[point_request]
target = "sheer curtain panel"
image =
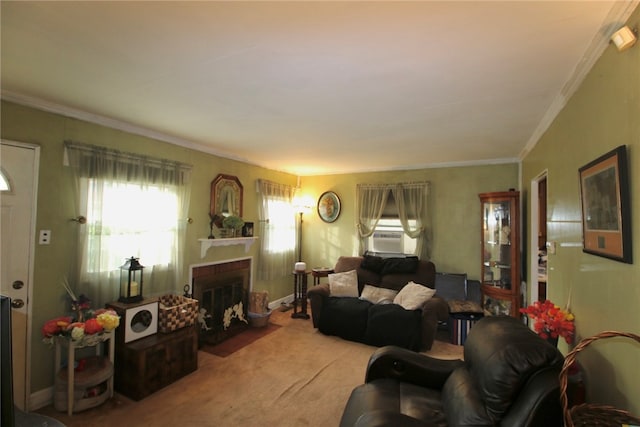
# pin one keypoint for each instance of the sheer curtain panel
(277, 230)
(411, 203)
(135, 206)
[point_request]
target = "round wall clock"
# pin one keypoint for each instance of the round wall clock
(329, 206)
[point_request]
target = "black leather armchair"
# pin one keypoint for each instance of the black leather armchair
(509, 378)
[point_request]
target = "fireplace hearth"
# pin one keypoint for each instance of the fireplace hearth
(222, 290)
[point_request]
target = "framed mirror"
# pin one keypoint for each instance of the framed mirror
(226, 196)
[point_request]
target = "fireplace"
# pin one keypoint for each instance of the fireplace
(222, 290)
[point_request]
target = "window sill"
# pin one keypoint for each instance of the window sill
(205, 244)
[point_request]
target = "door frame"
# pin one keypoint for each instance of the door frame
(534, 202)
(31, 267)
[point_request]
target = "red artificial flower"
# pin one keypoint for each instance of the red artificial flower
(92, 326)
(55, 326)
(550, 321)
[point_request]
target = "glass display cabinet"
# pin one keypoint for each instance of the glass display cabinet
(500, 271)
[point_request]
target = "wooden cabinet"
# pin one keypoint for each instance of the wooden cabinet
(89, 384)
(500, 240)
(149, 364)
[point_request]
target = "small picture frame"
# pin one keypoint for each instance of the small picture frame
(606, 213)
(329, 206)
(247, 229)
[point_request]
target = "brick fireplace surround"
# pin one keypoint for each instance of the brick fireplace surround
(219, 287)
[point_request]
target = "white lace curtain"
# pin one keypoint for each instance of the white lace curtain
(277, 230)
(135, 206)
(411, 202)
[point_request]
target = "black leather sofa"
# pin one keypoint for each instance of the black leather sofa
(509, 377)
(378, 325)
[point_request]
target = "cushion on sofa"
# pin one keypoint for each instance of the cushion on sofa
(407, 265)
(376, 295)
(390, 324)
(344, 317)
(413, 296)
(372, 263)
(344, 284)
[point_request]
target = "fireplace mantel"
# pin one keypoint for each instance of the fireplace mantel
(205, 244)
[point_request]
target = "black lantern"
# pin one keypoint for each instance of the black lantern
(131, 281)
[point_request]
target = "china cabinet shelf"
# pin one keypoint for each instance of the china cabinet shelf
(205, 244)
(500, 256)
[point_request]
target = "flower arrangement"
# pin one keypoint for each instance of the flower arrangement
(86, 327)
(550, 321)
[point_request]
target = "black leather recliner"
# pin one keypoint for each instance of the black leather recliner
(509, 377)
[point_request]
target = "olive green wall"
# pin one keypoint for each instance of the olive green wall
(454, 200)
(454, 208)
(605, 295)
(56, 206)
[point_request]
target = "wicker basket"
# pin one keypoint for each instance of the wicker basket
(176, 312)
(588, 414)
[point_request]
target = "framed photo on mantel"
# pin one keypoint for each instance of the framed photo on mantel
(606, 215)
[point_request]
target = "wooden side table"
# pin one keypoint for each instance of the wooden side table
(300, 295)
(77, 391)
(317, 273)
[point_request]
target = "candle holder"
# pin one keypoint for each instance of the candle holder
(131, 281)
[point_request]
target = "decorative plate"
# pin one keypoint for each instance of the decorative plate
(329, 206)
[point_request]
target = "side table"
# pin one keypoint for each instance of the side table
(317, 273)
(77, 391)
(300, 295)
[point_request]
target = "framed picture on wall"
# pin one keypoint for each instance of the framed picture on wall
(604, 190)
(329, 206)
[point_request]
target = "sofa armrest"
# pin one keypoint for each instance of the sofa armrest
(316, 296)
(434, 310)
(411, 367)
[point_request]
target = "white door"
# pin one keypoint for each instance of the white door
(18, 165)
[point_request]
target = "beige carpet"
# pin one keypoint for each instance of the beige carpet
(295, 376)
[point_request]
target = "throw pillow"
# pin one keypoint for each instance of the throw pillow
(413, 296)
(376, 295)
(344, 284)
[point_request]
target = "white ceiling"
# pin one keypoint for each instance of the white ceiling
(312, 87)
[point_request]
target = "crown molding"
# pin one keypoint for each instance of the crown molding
(74, 113)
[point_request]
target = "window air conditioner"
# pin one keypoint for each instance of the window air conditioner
(388, 241)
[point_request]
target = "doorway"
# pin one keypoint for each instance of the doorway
(538, 245)
(19, 170)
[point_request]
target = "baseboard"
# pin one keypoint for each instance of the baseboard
(41, 398)
(277, 303)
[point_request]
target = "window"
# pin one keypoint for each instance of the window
(135, 206)
(127, 219)
(389, 239)
(4, 182)
(278, 230)
(392, 218)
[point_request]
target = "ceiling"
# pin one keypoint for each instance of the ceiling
(312, 87)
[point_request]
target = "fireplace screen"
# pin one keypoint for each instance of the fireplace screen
(222, 298)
